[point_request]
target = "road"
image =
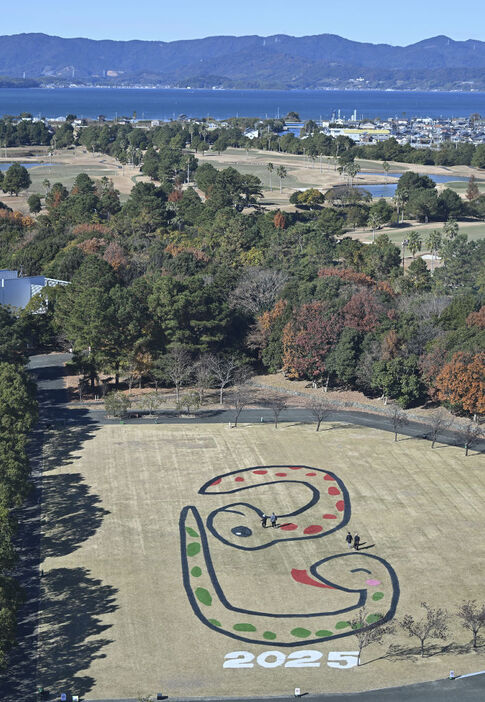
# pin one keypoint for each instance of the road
(18, 685)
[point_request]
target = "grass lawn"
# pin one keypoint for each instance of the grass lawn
(116, 620)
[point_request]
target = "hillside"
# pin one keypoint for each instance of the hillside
(320, 61)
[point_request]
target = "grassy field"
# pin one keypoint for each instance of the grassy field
(116, 620)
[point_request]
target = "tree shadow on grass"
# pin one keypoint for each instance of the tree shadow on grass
(71, 514)
(72, 628)
(72, 517)
(398, 652)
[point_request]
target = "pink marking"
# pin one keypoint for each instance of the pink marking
(373, 582)
(216, 482)
(301, 576)
(310, 474)
(289, 527)
(281, 475)
(340, 505)
(333, 491)
(260, 472)
(239, 479)
(328, 477)
(313, 529)
(330, 516)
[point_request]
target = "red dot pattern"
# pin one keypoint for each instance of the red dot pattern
(310, 474)
(260, 472)
(340, 505)
(216, 482)
(239, 479)
(330, 516)
(333, 491)
(313, 529)
(295, 467)
(289, 527)
(328, 477)
(281, 475)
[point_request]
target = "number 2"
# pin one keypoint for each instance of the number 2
(303, 659)
(238, 659)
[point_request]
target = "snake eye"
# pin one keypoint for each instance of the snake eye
(242, 531)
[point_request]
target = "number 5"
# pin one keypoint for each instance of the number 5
(343, 659)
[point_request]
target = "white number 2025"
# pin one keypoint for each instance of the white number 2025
(296, 659)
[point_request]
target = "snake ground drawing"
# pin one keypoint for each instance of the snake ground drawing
(363, 579)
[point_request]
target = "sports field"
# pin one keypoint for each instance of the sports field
(156, 566)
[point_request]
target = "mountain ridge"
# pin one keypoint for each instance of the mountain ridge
(280, 60)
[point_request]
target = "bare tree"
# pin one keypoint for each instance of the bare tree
(439, 422)
(179, 367)
(151, 401)
(398, 420)
(203, 376)
(471, 434)
(433, 625)
(190, 401)
(320, 408)
(472, 617)
(258, 290)
(277, 404)
(366, 636)
(224, 371)
(239, 398)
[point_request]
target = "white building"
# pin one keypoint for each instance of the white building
(17, 292)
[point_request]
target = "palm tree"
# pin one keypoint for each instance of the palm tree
(270, 168)
(281, 172)
(414, 243)
(434, 241)
(351, 169)
(374, 223)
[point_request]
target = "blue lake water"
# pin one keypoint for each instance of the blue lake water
(6, 166)
(388, 189)
(221, 104)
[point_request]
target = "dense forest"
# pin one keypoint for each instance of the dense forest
(205, 269)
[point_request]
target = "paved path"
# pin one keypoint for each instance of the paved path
(18, 685)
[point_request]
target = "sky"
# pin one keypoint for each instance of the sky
(165, 20)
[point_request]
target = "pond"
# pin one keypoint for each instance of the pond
(388, 189)
(31, 164)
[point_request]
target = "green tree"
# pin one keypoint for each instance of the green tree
(16, 178)
(34, 203)
(399, 379)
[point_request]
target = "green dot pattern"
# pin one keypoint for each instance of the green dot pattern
(193, 549)
(377, 596)
(269, 635)
(300, 632)
(372, 618)
(214, 622)
(323, 632)
(342, 625)
(203, 596)
(191, 532)
(196, 572)
(244, 627)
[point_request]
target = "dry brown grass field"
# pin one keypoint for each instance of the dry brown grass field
(116, 620)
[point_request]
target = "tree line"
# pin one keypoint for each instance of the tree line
(18, 414)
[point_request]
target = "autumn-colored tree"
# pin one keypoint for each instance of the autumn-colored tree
(431, 365)
(279, 220)
(86, 228)
(91, 246)
(390, 346)
(476, 319)
(472, 191)
(348, 276)
(461, 382)
(114, 255)
(175, 195)
(362, 311)
(307, 339)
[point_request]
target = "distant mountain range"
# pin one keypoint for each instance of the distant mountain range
(279, 61)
